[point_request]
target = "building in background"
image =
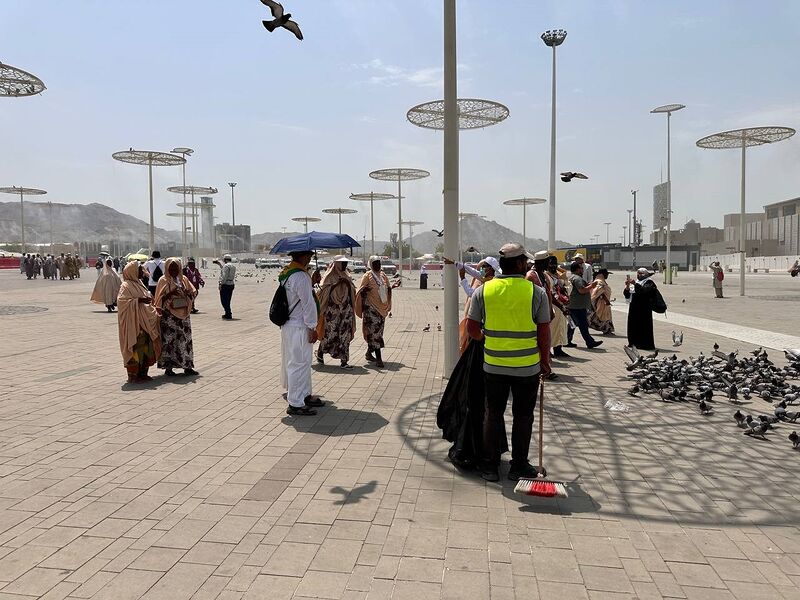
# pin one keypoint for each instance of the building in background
(206, 222)
(692, 234)
(232, 238)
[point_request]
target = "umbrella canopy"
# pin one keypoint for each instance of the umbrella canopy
(313, 240)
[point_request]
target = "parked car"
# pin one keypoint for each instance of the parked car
(268, 263)
(357, 266)
(389, 267)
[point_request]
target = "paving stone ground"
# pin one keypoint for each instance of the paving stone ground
(203, 488)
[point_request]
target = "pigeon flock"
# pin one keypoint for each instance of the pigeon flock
(699, 378)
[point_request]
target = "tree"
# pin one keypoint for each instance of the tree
(440, 249)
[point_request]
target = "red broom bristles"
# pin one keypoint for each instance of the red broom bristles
(541, 487)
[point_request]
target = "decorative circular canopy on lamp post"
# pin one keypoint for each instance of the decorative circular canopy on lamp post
(524, 203)
(22, 192)
(743, 138)
(151, 158)
(473, 113)
(371, 197)
(399, 175)
(340, 212)
(16, 83)
(306, 220)
(411, 225)
(192, 190)
(451, 115)
(553, 38)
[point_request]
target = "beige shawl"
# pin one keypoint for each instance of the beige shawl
(369, 292)
(106, 288)
(184, 291)
(134, 316)
(336, 286)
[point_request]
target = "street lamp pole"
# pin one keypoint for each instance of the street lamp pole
(553, 38)
(630, 229)
(635, 228)
(233, 213)
(669, 109)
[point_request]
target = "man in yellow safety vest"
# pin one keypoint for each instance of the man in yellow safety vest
(512, 316)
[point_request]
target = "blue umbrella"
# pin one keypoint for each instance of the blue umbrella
(313, 240)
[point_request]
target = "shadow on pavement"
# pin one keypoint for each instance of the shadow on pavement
(336, 422)
(355, 495)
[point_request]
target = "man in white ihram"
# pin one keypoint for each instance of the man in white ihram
(298, 336)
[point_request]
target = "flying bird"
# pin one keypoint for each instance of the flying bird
(677, 338)
(280, 19)
(569, 176)
(438, 233)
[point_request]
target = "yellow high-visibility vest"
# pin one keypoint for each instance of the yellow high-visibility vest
(509, 327)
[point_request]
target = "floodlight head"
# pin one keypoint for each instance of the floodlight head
(668, 108)
(232, 184)
(554, 37)
(184, 151)
(16, 83)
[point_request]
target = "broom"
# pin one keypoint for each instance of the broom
(540, 486)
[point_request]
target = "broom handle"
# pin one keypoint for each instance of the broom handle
(541, 421)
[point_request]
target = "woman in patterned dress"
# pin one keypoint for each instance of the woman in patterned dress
(373, 303)
(174, 300)
(336, 327)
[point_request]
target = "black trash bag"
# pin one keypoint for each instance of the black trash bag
(462, 408)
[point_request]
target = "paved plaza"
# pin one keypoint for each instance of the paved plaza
(203, 488)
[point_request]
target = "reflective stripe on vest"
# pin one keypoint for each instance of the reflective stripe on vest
(509, 328)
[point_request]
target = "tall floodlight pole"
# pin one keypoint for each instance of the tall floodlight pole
(524, 203)
(339, 212)
(743, 138)
(635, 228)
(453, 115)
(553, 38)
(186, 153)
(22, 192)
(399, 175)
(306, 220)
(411, 225)
(371, 197)
(152, 159)
(192, 190)
(233, 211)
(669, 109)
(608, 231)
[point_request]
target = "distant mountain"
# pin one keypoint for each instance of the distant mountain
(76, 222)
(486, 236)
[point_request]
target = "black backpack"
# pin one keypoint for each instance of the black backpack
(157, 273)
(279, 311)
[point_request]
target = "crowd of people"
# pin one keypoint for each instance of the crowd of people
(49, 266)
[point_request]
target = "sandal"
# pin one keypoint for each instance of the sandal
(320, 359)
(314, 401)
(188, 372)
(346, 365)
(170, 373)
(300, 411)
(369, 357)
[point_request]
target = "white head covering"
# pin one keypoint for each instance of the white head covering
(340, 258)
(492, 262)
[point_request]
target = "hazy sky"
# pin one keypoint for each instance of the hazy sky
(299, 125)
